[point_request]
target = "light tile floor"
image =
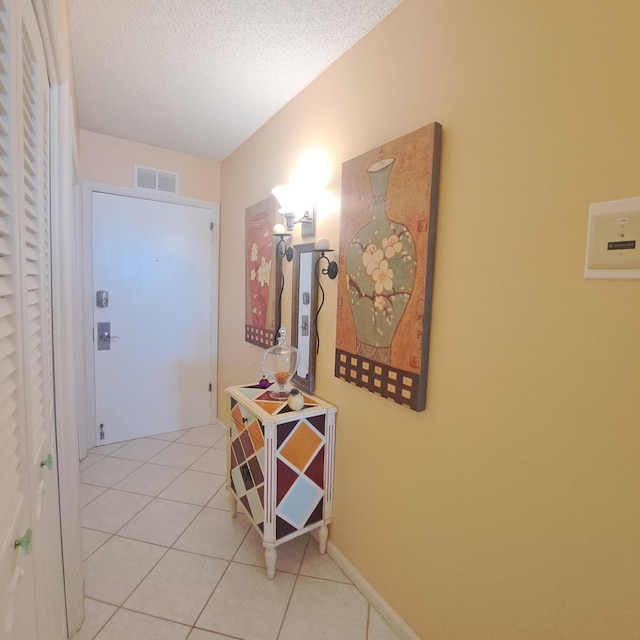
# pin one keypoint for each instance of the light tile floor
(164, 560)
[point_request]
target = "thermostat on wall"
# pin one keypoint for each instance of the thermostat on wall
(613, 240)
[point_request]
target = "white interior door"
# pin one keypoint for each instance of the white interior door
(152, 362)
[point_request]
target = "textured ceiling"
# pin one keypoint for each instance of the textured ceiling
(201, 76)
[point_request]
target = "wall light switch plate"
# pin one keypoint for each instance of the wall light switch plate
(613, 240)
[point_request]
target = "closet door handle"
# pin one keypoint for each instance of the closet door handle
(24, 543)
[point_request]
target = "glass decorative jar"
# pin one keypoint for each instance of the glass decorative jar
(282, 361)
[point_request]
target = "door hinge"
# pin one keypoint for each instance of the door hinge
(211, 226)
(209, 386)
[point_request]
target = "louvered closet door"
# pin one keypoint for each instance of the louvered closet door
(31, 578)
(17, 597)
(36, 321)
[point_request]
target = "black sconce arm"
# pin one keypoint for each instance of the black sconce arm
(330, 270)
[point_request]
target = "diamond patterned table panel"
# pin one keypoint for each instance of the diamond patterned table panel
(301, 446)
(300, 502)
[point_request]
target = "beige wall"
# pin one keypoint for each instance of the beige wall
(510, 508)
(110, 160)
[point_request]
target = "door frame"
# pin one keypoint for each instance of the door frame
(87, 436)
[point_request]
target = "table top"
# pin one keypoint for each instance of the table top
(261, 400)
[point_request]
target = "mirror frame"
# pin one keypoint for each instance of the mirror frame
(305, 383)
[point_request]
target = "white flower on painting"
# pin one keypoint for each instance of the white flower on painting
(391, 246)
(379, 302)
(371, 258)
(383, 277)
(253, 274)
(254, 252)
(264, 272)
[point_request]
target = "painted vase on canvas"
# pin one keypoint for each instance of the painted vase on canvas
(380, 266)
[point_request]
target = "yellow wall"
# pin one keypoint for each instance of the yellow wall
(510, 508)
(110, 160)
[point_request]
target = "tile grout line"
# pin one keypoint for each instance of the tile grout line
(204, 606)
(295, 582)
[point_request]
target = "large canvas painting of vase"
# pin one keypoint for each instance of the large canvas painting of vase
(386, 260)
(260, 276)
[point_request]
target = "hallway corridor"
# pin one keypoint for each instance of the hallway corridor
(164, 560)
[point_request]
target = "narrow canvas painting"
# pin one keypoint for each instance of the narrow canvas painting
(387, 243)
(260, 273)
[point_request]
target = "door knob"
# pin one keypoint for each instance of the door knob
(47, 463)
(24, 543)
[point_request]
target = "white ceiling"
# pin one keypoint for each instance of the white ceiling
(201, 76)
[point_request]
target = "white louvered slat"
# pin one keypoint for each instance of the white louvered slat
(32, 313)
(6, 328)
(29, 147)
(5, 250)
(7, 350)
(5, 307)
(7, 385)
(4, 168)
(33, 332)
(30, 254)
(4, 187)
(29, 189)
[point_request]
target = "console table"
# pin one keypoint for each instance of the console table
(280, 465)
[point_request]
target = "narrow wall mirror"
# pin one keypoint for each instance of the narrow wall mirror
(304, 304)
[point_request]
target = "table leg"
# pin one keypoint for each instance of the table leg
(270, 555)
(233, 505)
(323, 536)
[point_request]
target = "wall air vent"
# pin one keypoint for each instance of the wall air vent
(146, 178)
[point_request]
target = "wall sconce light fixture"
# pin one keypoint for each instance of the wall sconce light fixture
(296, 208)
(331, 270)
(282, 251)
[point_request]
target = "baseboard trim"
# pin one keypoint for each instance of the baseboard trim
(388, 614)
